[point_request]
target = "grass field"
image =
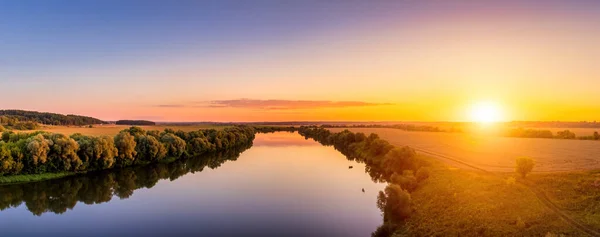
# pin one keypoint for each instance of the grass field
(457, 202)
(111, 130)
(575, 193)
(498, 153)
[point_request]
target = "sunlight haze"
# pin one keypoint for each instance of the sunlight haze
(404, 60)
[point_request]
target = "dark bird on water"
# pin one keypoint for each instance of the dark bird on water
(350, 167)
(363, 190)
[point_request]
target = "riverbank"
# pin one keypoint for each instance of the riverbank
(482, 202)
(30, 178)
(29, 157)
(27, 178)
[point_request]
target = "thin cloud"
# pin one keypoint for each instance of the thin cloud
(171, 106)
(275, 104)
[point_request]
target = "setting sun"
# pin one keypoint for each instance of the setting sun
(485, 112)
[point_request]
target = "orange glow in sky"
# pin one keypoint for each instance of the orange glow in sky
(404, 61)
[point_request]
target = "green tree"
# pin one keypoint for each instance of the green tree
(378, 147)
(399, 159)
(38, 148)
(199, 145)
(86, 149)
(154, 133)
(406, 181)
(395, 203)
(175, 146)
(96, 152)
(17, 152)
(6, 160)
(148, 148)
(125, 144)
(136, 131)
(106, 152)
(6, 135)
(63, 153)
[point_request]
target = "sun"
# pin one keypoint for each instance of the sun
(486, 112)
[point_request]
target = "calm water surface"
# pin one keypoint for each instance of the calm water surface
(284, 185)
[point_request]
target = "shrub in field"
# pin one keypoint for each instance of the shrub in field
(524, 166)
(566, 134)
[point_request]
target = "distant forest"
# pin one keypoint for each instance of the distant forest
(555, 124)
(11, 117)
(135, 122)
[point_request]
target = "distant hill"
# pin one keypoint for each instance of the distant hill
(135, 122)
(48, 118)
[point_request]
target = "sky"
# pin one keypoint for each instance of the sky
(301, 60)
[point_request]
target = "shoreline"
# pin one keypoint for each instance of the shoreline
(31, 178)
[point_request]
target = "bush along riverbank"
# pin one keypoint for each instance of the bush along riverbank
(42, 155)
(398, 166)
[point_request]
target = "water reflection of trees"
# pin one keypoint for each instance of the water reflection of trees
(60, 195)
(398, 166)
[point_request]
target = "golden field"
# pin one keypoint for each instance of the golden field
(493, 153)
(470, 127)
(111, 129)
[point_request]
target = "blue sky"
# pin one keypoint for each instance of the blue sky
(115, 59)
